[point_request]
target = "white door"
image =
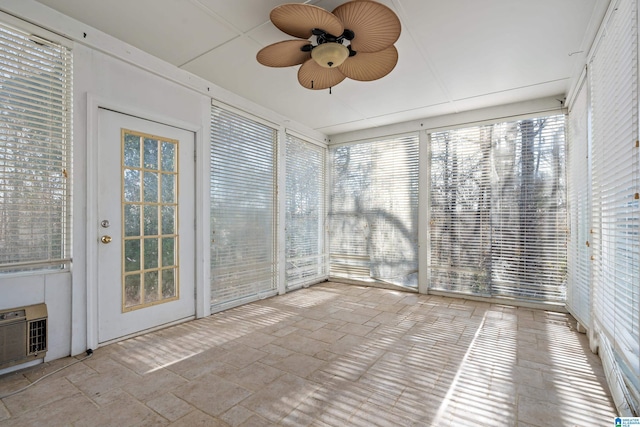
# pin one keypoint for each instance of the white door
(145, 225)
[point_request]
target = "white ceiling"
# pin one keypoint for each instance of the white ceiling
(454, 55)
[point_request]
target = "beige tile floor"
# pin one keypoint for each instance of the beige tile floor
(330, 355)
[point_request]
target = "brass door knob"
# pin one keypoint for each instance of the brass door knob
(106, 239)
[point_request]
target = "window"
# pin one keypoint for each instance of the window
(616, 187)
(497, 221)
(35, 152)
(580, 241)
(373, 218)
(242, 209)
(460, 210)
(305, 212)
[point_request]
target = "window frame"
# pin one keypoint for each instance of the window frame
(265, 271)
(294, 174)
(490, 287)
(31, 45)
(360, 228)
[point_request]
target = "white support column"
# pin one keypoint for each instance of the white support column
(203, 212)
(323, 241)
(281, 211)
(327, 210)
(423, 213)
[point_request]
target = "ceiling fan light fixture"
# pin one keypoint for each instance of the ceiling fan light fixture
(330, 55)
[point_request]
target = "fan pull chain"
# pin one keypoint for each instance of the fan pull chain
(329, 90)
(311, 84)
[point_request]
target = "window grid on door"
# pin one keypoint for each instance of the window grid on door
(149, 220)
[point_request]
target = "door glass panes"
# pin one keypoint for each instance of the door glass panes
(150, 187)
(168, 219)
(168, 157)
(150, 253)
(168, 284)
(150, 220)
(131, 185)
(149, 217)
(151, 154)
(132, 220)
(131, 255)
(151, 287)
(168, 186)
(132, 292)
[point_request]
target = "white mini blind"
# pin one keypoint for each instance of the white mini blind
(305, 212)
(373, 218)
(579, 199)
(616, 186)
(497, 220)
(529, 209)
(242, 208)
(460, 210)
(35, 152)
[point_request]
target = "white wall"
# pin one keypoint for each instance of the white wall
(109, 73)
(549, 105)
(103, 81)
(112, 83)
(22, 289)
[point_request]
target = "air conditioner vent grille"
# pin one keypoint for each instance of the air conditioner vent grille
(23, 334)
(37, 336)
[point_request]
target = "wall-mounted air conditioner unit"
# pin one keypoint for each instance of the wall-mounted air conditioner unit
(23, 334)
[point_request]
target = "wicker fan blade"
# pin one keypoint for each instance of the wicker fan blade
(370, 66)
(297, 19)
(375, 25)
(313, 76)
(283, 54)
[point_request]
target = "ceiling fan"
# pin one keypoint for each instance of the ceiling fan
(355, 40)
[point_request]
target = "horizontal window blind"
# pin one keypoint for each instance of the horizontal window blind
(529, 210)
(35, 152)
(579, 199)
(460, 210)
(373, 225)
(305, 212)
(497, 221)
(616, 185)
(242, 208)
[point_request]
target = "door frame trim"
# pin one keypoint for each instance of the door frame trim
(201, 191)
